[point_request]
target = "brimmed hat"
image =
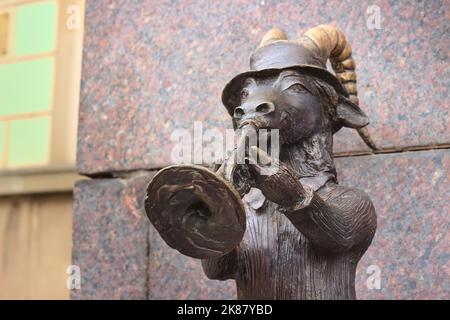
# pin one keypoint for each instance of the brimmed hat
(308, 55)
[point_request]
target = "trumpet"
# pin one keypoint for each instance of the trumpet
(197, 211)
(234, 168)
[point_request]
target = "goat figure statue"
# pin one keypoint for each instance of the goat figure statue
(290, 233)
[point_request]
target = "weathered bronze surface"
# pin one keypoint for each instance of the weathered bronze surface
(302, 235)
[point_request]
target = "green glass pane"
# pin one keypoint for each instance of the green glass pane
(28, 142)
(26, 86)
(2, 141)
(36, 28)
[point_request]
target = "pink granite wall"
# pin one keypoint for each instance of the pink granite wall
(150, 67)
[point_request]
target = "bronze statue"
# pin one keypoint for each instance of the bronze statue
(303, 234)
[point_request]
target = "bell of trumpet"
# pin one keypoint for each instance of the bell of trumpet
(197, 211)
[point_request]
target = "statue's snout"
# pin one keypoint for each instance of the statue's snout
(253, 110)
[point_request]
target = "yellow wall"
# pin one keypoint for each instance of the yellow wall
(35, 246)
(38, 143)
(40, 66)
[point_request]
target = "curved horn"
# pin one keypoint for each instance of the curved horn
(330, 43)
(273, 35)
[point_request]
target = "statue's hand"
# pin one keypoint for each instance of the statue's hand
(278, 182)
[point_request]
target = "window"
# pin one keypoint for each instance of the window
(40, 60)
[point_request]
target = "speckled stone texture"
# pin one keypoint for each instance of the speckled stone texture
(411, 247)
(410, 192)
(121, 256)
(110, 238)
(150, 67)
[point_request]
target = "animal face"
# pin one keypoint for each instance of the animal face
(289, 102)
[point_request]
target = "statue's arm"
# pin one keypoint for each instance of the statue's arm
(221, 268)
(339, 219)
(332, 217)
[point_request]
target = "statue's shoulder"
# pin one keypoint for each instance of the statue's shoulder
(346, 197)
(356, 208)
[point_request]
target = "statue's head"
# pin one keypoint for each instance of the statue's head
(289, 88)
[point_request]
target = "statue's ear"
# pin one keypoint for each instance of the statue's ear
(349, 114)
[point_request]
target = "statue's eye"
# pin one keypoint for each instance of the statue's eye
(244, 94)
(297, 87)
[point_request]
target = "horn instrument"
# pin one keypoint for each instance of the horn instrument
(197, 211)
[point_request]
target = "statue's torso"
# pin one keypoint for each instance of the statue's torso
(276, 261)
